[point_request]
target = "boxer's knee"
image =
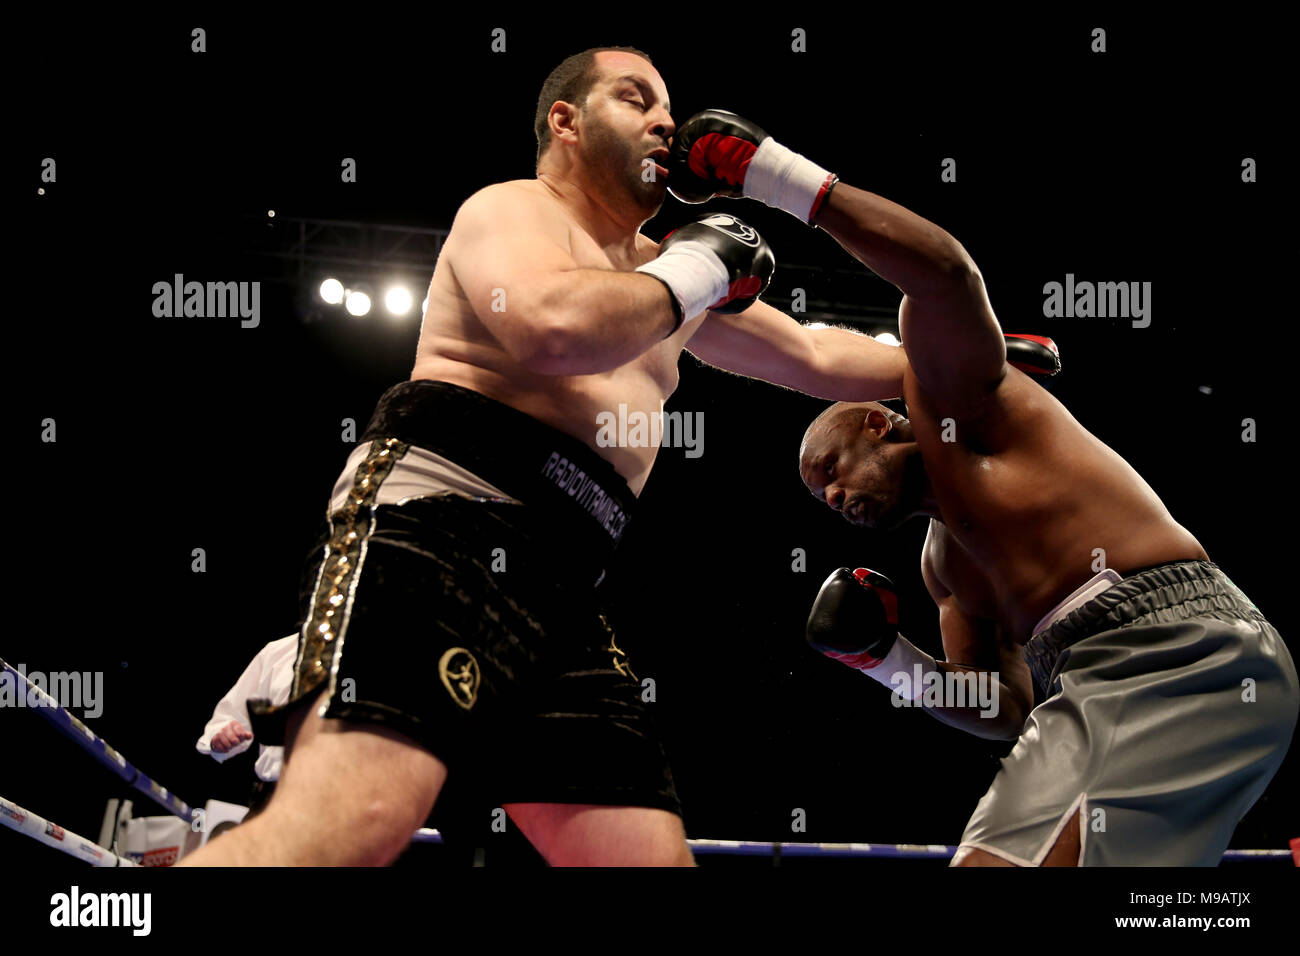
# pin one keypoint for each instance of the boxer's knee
(347, 823)
(352, 793)
(383, 831)
(973, 856)
(1065, 851)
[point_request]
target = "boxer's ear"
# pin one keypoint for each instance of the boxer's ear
(563, 120)
(878, 423)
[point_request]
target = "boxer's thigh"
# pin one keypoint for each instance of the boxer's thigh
(352, 793)
(595, 835)
(588, 780)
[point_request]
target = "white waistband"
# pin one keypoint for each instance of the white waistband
(416, 474)
(1085, 593)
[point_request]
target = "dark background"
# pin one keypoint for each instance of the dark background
(182, 433)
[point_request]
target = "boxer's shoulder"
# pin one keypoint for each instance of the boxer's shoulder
(516, 212)
(510, 189)
(509, 203)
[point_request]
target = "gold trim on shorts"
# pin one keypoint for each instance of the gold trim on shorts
(345, 552)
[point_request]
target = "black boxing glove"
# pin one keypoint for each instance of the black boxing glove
(716, 262)
(854, 620)
(716, 153)
(1033, 354)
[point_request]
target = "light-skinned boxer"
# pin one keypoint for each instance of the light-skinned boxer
(427, 679)
(1168, 700)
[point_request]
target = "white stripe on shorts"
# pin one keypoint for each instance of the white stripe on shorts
(417, 474)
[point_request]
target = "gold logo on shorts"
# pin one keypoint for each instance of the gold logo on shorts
(460, 675)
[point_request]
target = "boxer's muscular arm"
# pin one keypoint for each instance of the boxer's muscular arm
(765, 343)
(973, 644)
(511, 255)
(953, 340)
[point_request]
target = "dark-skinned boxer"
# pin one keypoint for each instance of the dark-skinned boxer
(1167, 699)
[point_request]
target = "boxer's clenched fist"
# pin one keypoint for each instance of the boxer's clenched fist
(710, 156)
(715, 263)
(716, 153)
(854, 618)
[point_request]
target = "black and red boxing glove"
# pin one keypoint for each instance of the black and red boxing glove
(716, 262)
(1033, 354)
(854, 620)
(710, 156)
(716, 153)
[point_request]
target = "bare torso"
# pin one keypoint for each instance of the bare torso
(456, 347)
(1034, 512)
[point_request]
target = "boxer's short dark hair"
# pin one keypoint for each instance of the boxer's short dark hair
(571, 81)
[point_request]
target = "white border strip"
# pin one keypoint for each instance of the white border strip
(924, 851)
(44, 831)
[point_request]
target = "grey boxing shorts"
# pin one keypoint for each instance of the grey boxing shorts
(1169, 704)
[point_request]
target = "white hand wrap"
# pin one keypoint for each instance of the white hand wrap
(693, 272)
(782, 178)
(902, 657)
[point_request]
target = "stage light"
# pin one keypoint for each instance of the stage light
(358, 303)
(331, 290)
(397, 300)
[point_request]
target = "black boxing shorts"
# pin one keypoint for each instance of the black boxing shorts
(452, 597)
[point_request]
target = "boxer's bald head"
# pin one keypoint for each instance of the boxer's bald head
(844, 418)
(861, 459)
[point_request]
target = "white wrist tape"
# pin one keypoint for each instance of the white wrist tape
(782, 178)
(693, 272)
(902, 658)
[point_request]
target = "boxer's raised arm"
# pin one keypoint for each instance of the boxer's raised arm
(512, 258)
(763, 342)
(953, 340)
